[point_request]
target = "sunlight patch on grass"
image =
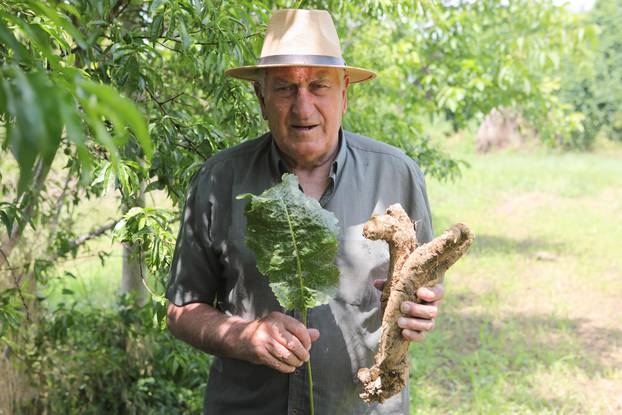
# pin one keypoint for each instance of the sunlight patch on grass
(531, 320)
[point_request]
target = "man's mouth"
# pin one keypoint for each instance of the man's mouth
(304, 127)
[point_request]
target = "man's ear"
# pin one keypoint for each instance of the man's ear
(260, 98)
(346, 84)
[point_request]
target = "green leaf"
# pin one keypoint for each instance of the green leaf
(75, 132)
(183, 32)
(295, 243)
(60, 20)
(123, 108)
(156, 27)
(7, 220)
(32, 101)
(6, 37)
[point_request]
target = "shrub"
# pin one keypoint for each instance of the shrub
(120, 361)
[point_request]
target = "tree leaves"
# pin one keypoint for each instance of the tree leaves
(39, 96)
(31, 100)
(295, 242)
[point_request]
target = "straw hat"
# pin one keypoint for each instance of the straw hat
(300, 38)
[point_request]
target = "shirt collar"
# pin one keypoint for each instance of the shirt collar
(278, 167)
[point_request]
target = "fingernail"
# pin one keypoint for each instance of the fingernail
(405, 307)
(401, 322)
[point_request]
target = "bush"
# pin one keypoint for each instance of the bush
(120, 361)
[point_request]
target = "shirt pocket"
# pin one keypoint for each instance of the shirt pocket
(360, 261)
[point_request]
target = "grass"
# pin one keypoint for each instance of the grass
(531, 322)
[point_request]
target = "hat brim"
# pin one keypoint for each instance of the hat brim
(253, 73)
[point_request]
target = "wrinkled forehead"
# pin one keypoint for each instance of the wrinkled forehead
(302, 74)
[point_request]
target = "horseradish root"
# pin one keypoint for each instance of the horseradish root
(411, 267)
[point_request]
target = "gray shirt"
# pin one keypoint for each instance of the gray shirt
(213, 265)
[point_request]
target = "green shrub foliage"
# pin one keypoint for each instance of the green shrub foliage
(87, 360)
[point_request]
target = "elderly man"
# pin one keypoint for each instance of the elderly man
(219, 303)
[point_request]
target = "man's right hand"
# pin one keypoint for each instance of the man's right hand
(278, 341)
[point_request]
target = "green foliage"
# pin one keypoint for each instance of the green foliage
(595, 87)
(458, 61)
(11, 315)
(43, 100)
(295, 242)
(149, 229)
(119, 361)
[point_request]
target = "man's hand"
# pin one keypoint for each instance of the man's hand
(278, 341)
(418, 319)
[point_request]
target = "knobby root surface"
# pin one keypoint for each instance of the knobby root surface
(411, 267)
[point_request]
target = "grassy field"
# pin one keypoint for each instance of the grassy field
(532, 320)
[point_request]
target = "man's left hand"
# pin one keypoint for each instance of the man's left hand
(418, 319)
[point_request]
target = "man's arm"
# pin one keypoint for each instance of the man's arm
(276, 340)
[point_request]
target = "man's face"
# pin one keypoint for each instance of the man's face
(304, 106)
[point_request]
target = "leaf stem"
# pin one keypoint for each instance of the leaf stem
(303, 306)
(310, 375)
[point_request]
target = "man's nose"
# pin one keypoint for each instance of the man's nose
(303, 104)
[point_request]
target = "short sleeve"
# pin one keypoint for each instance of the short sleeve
(195, 271)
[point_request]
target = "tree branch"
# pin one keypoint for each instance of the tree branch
(41, 171)
(190, 146)
(93, 234)
(17, 283)
(171, 98)
(59, 205)
(117, 9)
(172, 39)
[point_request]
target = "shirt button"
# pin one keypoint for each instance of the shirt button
(296, 372)
(294, 412)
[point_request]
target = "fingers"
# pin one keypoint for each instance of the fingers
(299, 330)
(314, 334)
(413, 336)
(293, 344)
(285, 359)
(418, 319)
(427, 311)
(283, 342)
(415, 324)
(284, 355)
(415, 329)
(269, 359)
(431, 294)
(379, 284)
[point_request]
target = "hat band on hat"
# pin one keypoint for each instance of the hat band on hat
(322, 60)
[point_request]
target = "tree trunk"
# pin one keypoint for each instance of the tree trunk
(134, 270)
(131, 279)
